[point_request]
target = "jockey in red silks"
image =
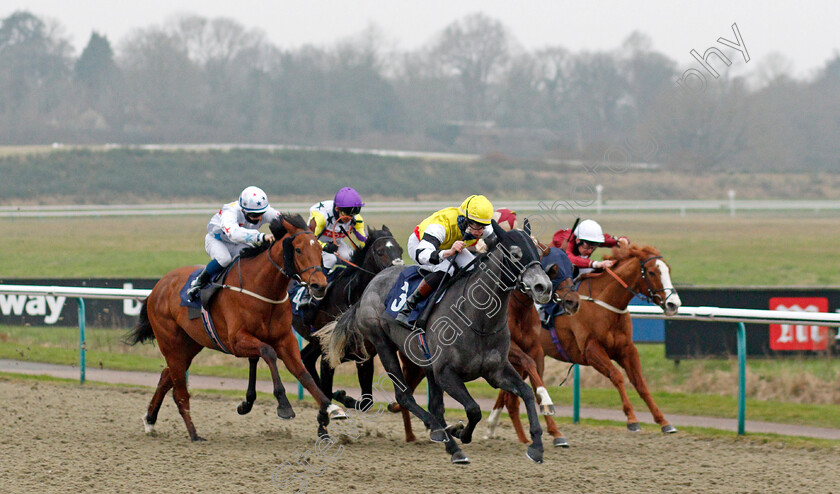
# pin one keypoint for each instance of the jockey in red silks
(581, 243)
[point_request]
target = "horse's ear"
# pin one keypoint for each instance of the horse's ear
(526, 225)
(500, 233)
(385, 228)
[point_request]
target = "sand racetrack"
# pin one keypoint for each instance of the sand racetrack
(71, 438)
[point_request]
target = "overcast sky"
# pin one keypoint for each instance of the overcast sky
(805, 32)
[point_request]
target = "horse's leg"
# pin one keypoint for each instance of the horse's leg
(437, 409)
(509, 380)
(598, 358)
(309, 355)
(251, 393)
(287, 348)
(512, 405)
(178, 363)
(495, 415)
(387, 352)
(413, 376)
(550, 425)
(631, 363)
(523, 363)
(452, 383)
(364, 370)
(163, 387)
(246, 344)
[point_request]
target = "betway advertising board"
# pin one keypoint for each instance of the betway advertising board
(49, 310)
(692, 339)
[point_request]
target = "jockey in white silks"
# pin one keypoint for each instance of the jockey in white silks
(233, 228)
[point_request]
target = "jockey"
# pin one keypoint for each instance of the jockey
(582, 242)
(232, 229)
(441, 239)
(338, 225)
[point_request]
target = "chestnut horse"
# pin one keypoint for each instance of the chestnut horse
(602, 330)
(252, 316)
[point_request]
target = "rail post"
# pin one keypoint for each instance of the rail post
(300, 386)
(742, 376)
(576, 395)
(81, 340)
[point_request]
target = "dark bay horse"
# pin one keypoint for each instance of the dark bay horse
(251, 313)
(477, 301)
(602, 330)
(379, 252)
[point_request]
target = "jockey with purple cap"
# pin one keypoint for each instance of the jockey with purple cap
(338, 226)
(233, 228)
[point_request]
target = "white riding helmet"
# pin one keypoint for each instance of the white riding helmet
(253, 200)
(590, 231)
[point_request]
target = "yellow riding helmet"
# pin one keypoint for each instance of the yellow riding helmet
(477, 208)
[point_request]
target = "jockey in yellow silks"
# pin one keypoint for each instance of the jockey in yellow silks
(338, 226)
(442, 239)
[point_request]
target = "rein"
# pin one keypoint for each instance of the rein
(257, 296)
(649, 296)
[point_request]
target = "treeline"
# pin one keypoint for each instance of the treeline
(471, 89)
(128, 176)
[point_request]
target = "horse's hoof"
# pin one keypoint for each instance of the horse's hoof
(197, 439)
(634, 427)
(439, 436)
(560, 442)
(459, 458)
(244, 407)
(534, 454)
(339, 395)
(394, 407)
(149, 428)
(547, 410)
(285, 413)
(455, 429)
(669, 429)
(335, 412)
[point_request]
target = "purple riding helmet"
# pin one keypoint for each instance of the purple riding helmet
(348, 202)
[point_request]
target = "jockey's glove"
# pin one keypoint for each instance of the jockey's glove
(331, 248)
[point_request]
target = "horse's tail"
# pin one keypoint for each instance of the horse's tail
(142, 332)
(342, 335)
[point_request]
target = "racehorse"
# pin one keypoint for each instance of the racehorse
(526, 353)
(476, 298)
(252, 318)
(602, 330)
(380, 251)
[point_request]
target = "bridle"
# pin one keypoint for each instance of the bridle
(290, 269)
(650, 295)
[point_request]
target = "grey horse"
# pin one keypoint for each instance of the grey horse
(477, 301)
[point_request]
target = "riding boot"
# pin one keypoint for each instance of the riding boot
(419, 295)
(207, 274)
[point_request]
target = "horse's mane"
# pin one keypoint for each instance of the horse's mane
(638, 252)
(358, 257)
(278, 229)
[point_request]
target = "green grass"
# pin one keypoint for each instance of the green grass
(707, 249)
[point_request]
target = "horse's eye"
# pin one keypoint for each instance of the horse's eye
(297, 250)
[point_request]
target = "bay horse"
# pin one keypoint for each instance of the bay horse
(252, 316)
(602, 330)
(379, 252)
(477, 299)
(526, 352)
